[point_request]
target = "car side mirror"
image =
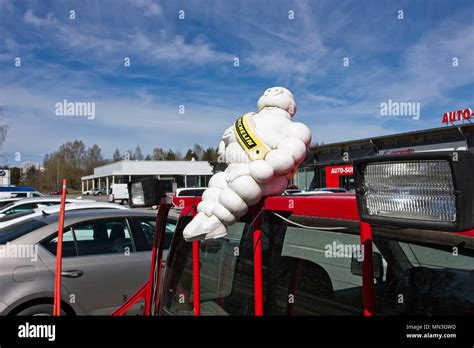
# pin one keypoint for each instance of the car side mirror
(377, 260)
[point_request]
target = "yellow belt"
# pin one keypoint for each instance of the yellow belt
(248, 139)
(253, 146)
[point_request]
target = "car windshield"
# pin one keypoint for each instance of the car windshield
(317, 272)
(19, 229)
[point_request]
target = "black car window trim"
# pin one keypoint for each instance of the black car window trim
(55, 235)
(106, 220)
(136, 223)
(139, 235)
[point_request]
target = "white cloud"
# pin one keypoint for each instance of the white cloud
(151, 8)
(143, 119)
(30, 18)
(172, 48)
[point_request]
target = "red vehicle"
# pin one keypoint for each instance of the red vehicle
(403, 244)
(58, 192)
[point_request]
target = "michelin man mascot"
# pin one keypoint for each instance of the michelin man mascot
(263, 150)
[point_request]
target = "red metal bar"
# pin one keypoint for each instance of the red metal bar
(257, 265)
(196, 280)
(367, 269)
(59, 254)
(341, 206)
(143, 293)
(156, 257)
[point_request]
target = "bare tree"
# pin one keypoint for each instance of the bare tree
(116, 156)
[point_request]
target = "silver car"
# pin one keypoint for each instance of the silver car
(33, 203)
(106, 259)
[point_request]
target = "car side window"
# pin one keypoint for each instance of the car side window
(21, 208)
(147, 226)
(103, 237)
(94, 238)
(69, 248)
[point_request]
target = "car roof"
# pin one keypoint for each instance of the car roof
(95, 213)
(78, 216)
(51, 199)
(10, 199)
(38, 199)
(11, 219)
(81, 205)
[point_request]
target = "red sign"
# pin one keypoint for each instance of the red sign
(334, 172)
(457, 115)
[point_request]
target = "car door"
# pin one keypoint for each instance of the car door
(104, 270)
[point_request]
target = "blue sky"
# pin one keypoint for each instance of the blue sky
(190, 62)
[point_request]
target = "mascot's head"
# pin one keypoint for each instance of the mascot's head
(278, 97)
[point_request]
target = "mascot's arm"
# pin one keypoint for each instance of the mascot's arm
(221, 150)
(300, 131)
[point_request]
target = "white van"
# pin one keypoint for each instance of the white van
(118, 193)
(20, 194)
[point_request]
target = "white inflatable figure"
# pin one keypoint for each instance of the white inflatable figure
(262, 151)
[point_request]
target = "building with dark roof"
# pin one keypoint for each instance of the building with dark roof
(330, 165)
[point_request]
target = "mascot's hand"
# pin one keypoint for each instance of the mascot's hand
(261, 171)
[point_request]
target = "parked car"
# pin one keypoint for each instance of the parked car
(316, 191)
(18, 192)
(87, 192)
(106, 259)
(291, 192)
(33, 203)
(330, 189)
(119, 193)
(99, 192)
(190, 191)
(11, 219)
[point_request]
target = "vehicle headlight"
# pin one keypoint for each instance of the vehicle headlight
(426, 190)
